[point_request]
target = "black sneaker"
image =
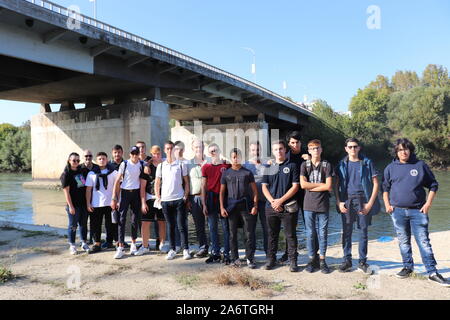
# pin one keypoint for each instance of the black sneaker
(293, 267)
(437, 278)
(158, 242)
(126, 245)
(364, 267)
(212, 258)
(251, 263)
(346, 266)
(310, 266)
(284, 258)
(316, 261)
(226, 260)
(404, 273)
(95, 249)
(202, 253)
(270, 265)
(236, 263)
(324, 267)
(105, 245)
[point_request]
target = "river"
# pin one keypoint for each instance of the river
(46, 207)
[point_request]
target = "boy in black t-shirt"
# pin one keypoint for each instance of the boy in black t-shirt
(316, 178)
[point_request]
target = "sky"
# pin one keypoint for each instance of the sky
(321, 49)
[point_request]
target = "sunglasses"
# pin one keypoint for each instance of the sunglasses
(353, 147)
(213, 150)
(75, 160)
(88, 156)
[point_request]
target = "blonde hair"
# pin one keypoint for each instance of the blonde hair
(155, 149)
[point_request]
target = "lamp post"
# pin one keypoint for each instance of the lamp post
(253, 70)
(95, 8)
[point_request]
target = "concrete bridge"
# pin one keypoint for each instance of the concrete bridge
(129, 86)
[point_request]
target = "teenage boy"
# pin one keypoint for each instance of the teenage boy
(356, 196)
(129, 173)
(211, 174)
(406, 201)
(256, 166)
(99, 189)
(295, 156)
(280, 185)
(316, 178)
(195, 200)
(142, 152)
(239, 185)
(171, 176)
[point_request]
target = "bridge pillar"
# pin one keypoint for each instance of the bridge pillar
(54, 135)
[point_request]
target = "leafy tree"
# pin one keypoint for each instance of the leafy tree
(435, 76)
(405, 80)
(15, 150)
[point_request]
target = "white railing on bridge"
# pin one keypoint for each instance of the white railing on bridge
(108, 28)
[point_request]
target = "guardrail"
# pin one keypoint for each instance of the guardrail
(116, 31)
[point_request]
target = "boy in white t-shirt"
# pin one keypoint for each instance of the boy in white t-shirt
(129, 173)
(99, 189)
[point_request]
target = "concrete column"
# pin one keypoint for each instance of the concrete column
(93, 102)
(67, 106)
(45, 107)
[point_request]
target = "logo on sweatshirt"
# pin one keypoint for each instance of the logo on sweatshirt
(286, 170)
(414, 172)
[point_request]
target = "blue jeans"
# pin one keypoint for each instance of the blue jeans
(213, 221)
(175, 212)
(405, 221)
(347, 230)
(316, 224)
(199, 220)
(78, 219)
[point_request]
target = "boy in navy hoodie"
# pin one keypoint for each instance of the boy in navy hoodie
(406, 201)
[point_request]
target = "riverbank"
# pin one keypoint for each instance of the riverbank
(43, 269)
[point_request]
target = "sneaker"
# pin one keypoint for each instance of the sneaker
(95, 249)
(284, 258)
(158, 244)
(186, 254)
(73, 250)
(163, 248)
(439, 280)
(126, 245)
(345, 266)
(404, 273)
(171, 255)
(85, 247)
(236, 263)
(106, 245)
(316, 261)
(310, 267)
(324, 267)
(142, 250)
(251, 264)
(202, 253)
(226, 260)
(133, 249)
(270, 265)
(364, 267)
(213, 258)
(178, 249)
(119, 253)
(293, 267)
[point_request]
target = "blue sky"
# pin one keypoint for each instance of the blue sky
(323, 49)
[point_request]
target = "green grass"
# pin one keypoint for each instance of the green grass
(49, 251)
(30, 234)
(187, 280)
(419, 276)
(152, 296)
(277, 287)
(5, 274)
(360, 286)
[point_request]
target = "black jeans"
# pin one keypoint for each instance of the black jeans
(175, 212)
(129, 198)
(289, 221)
(249, 227)
(96, 220)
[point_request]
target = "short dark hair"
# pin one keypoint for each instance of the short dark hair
(280, 142)
(213, 145)
(142, 142)
(117, 147)
(294, 134)
(237, 151)
(404, 143)
(169, 142)
(352, 140)
(101, 153)
(179, 143)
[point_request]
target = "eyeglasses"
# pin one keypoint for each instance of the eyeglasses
(75, 160)
(353, 147)
(88, 156)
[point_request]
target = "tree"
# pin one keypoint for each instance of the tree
(405, 80)
(380, 83)
(435, 76)
(15, 150)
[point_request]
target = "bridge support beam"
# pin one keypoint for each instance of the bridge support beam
(54, 135)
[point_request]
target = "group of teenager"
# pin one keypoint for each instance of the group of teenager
(235, 193)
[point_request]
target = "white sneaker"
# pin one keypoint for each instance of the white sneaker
(171, 255)
(119, 253)
(186, 254)
(73, 249)
(178, 249)
(133, 249)
(142, 250)
(163, 248)
(85, 247)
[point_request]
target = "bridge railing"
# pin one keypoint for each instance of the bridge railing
(116, 31)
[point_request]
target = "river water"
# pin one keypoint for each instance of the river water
(46, 207)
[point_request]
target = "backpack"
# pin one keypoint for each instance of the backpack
(323, 165)
(125, 168)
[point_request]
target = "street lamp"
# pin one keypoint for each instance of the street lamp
(253, 71)
(95, 8)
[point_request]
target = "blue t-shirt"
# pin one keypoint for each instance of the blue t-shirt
(354, 185)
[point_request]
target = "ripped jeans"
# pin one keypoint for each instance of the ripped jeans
(79, 218)
(412, 221)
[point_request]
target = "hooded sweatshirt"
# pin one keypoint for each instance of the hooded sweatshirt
(405, 182)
